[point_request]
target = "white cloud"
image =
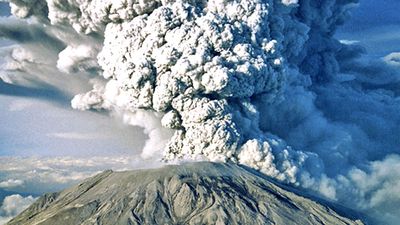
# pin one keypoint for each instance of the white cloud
(349, 42)
(393, 59)
(49, 174)
(290, 2)
(11, 183)
(12, 205)
(5, 78)
(77, 135)
(376, 190)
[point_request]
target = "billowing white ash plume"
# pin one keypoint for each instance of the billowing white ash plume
(258, 82)
(205, 66)
(199, 64)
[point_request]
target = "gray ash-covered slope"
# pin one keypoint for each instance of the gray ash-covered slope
(195, 193)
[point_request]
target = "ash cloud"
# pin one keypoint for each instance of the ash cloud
(258, 82)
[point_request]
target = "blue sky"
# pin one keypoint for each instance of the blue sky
(370, 14)
(376, 25)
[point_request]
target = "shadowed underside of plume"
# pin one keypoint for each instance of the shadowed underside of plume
(196, 193)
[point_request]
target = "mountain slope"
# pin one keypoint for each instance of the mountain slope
(196, 193)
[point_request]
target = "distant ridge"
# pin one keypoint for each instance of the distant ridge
(195, 193)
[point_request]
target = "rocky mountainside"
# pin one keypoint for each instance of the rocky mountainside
(195, 193)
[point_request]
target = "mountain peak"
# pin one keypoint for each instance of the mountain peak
(193, 193)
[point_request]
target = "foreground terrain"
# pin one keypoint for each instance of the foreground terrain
(196, 193)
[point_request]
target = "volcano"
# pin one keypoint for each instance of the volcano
(192, 193)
